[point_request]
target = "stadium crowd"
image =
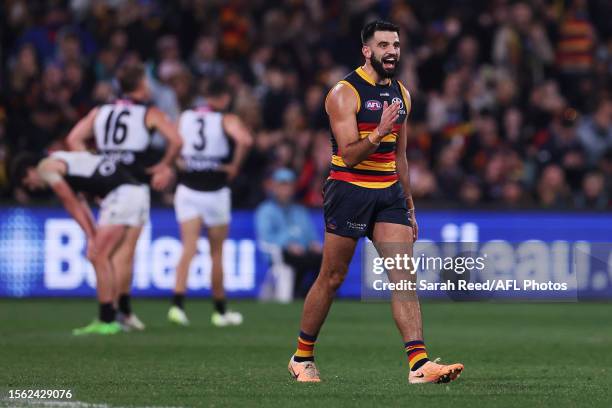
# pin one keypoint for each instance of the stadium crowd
(511, 102)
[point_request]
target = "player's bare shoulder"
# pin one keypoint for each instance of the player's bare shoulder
(231, 121)
(342, 99)
(154, 116)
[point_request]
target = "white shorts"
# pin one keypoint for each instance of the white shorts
(127, 204)
(213, 207)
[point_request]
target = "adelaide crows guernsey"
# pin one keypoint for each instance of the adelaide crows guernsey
(122, 135)
(378, 169)
(93, 174)
(205, 149)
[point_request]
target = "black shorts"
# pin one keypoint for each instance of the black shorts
(352, 211)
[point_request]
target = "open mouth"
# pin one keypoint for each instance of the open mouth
(389, 62)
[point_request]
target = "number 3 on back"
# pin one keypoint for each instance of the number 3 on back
(201, 144)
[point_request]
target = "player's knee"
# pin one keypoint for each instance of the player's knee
(97, 258)
(335, 277)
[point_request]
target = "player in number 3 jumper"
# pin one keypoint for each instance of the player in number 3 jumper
(214, 146)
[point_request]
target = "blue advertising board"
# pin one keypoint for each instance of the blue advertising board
(42, 250)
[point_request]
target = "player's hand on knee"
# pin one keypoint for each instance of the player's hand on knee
(92, 251)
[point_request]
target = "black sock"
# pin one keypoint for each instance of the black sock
(178, 300)
(220, 305)
(302, 359)
(124, 304)
(106, 313)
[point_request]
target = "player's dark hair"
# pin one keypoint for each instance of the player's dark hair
(129, 76)
(20, 165)
(217, 87)
(378, 25)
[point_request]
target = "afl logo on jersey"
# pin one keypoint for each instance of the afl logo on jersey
(373, 105)
(107, 168)
(398, 101)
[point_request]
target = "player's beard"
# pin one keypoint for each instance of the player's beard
(377, 64)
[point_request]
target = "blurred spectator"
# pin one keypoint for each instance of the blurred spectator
(514, 195)
(595, 131)
(423, 183)
(521, 46)
(24, 70)
(4, 176)
(449, 171)
(553, 191)
(315, 170)
(593, 195)
(575, 50)
(204, 61)
(470, 192)
(282, 222)
(275, 99)
(605, 166)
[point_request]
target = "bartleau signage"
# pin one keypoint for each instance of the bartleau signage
(42, 253)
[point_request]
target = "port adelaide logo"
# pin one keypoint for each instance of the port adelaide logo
(373, 105)
(398, 101)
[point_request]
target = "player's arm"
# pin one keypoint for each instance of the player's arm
(51, 171)
(235, 128)
(82, 131)
(341, 106)
(162, 171)
(403, 171)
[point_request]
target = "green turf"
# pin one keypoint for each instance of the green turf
(516, 355)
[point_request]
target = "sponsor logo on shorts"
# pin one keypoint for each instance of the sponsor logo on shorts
(356, 225)
(373, 105)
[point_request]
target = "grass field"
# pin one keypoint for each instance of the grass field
(516, 355)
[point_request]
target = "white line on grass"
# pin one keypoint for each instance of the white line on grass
(44, 403)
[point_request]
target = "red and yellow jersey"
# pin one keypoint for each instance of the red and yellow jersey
(576, 44)
(378, 170)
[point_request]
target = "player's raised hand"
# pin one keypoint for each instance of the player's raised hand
(389, 116)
